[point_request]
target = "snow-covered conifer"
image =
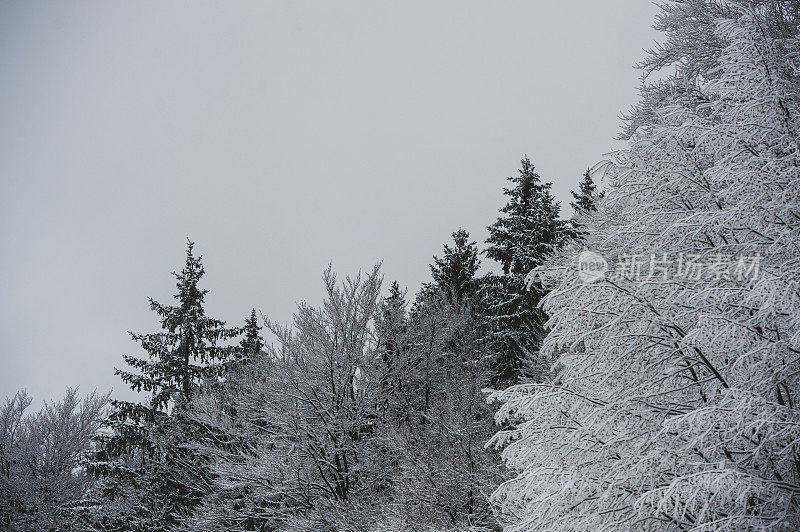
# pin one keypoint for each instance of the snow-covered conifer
(528, 230)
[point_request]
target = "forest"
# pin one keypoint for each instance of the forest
(659, 391)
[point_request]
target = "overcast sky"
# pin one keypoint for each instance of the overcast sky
(279, 136)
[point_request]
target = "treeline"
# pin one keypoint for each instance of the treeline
(367, 413)
(647, 372)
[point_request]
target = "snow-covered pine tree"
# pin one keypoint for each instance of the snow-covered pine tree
(676, 403)
(145, 450)
(586, 197)
(188, 349)
(397, 366)
(454, 273)
(527, 232)
(251, 344)
(530, 227)
(585, 204)
(391, 325)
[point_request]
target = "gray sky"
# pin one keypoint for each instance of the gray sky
(279, 136)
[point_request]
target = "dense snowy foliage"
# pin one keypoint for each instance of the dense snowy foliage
(675, 405)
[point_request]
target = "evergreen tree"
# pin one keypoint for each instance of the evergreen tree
(520, 240)
(392, 322)
(585, 202)
(395, 303)
(455, 272)
(393, 346)
(185, 351)
(252, 344)
(146, 451)
(586, 197)
(530, 228)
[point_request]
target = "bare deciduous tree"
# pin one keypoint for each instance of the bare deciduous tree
(41, 478)
(301, 414)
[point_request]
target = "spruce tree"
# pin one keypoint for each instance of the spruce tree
(530, 227)
(585, 202)
(146, 452)
(586, 197)
(252, 344)
(391, 329)
(185, 351)
(528, 230)
(392, 322)
(454, 273)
